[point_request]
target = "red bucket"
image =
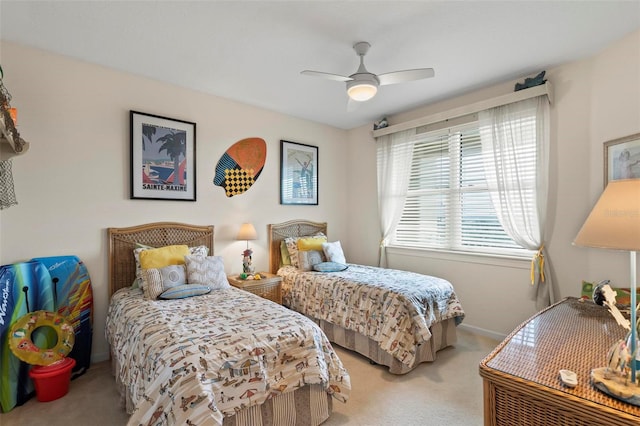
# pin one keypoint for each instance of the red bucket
(52, 381)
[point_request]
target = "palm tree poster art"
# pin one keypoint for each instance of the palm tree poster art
(163, 158)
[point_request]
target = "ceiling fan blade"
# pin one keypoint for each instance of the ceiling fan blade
(406, 75)
(326, 75)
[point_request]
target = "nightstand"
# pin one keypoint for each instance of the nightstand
(269, 286)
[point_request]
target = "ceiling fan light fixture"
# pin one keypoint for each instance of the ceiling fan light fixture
(361, 91)
(363, 85)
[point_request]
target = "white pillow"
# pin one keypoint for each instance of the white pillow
(206, 270)
(333, 252)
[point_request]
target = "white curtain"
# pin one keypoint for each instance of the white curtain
(394, 164)
(518, 192)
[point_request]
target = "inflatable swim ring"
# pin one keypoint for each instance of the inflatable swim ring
(23, 347)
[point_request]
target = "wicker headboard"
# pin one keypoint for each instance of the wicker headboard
(292, 228)
(122, 241)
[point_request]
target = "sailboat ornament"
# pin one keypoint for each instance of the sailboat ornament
(614, 378)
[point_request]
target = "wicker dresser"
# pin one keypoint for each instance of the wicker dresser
(521, 376)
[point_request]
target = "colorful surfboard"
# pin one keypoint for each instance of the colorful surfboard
(240, 166)
(73, 299)
(24, 287)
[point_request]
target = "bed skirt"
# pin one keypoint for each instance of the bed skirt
(307, 406)
(443, 334)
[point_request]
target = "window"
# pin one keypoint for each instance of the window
(448, 205)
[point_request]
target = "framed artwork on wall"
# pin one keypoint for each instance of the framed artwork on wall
(298, 173)
(622, 158)
(163, 158)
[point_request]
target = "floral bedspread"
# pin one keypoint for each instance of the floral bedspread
(196, 360)
(394, 308)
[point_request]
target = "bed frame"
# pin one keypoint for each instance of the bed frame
(443, 333)
(308, 405)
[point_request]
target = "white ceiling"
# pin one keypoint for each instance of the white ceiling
(253, 52)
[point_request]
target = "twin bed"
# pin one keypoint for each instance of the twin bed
(225, 358)
(395, 318)
(230, 357)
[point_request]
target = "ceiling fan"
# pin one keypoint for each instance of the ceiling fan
(363, 85)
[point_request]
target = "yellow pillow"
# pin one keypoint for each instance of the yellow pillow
(311, 243)
(163, 256)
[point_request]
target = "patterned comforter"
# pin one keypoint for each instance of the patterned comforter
(394, 308)
(196, 360)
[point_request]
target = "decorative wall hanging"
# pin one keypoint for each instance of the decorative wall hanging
(240, 166)
(298, 173)
(163, 158)
(622, 159)
(11, 145)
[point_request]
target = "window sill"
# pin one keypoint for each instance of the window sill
(479, 258)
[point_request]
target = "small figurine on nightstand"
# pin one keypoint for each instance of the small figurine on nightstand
(247, 267)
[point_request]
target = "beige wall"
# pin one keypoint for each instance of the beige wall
(596, 99)
(74, 181)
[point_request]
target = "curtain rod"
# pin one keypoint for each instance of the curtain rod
(520, 95)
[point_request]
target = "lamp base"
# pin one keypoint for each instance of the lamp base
(616, 386)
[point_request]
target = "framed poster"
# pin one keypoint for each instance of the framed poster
(622, 159)
(163, 158)
(298, 173)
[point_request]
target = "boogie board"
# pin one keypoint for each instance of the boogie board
(240, 166)
(24, 287)
(73, 299)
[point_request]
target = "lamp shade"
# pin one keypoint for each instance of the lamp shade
(247, 232)
(614, 222)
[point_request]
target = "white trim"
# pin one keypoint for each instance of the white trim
(520, 95)
(483, 332)
(482, 259)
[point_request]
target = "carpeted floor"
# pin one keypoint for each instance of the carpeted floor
(445, 392)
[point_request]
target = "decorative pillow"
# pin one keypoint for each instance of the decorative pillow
(206, 270)
(334, 252)
(186, 290)
(173, 275)
(329, 267)
(157, 281)
(284, 254)
(164, 256)
(292, 247)
(311, 243)
(309, 258)
(139, 281)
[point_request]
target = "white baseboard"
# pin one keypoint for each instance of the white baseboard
(483, 332)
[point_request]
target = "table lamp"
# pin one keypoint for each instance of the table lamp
(614, 223)
(247, 232)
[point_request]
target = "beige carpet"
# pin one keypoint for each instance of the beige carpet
(445, 392)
